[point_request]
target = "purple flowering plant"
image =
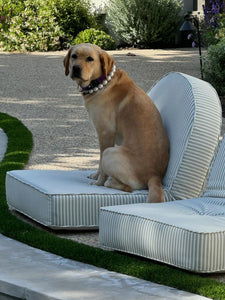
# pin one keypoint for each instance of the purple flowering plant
(212, 12)
(191, 37)
(214, 32)
(214, 18)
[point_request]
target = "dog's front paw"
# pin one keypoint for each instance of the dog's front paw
(100, 181)
(92, 183)
(94, 176)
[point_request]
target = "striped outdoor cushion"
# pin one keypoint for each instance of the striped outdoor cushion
(62, 199)
(189, 234)
(191, 113)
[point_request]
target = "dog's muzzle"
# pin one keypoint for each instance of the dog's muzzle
(76, 72)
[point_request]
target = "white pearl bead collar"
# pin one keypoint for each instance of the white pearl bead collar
(97, 84)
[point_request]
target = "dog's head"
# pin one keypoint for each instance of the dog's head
(87, 62)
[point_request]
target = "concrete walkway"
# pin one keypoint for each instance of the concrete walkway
(33, 88)
(32, 274)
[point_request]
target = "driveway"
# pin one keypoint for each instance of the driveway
(34, 89)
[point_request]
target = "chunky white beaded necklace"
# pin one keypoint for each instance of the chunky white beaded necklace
(97, 84)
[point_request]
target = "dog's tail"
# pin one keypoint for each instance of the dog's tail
(155, 190)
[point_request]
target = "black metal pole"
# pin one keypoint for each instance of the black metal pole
(196, 23)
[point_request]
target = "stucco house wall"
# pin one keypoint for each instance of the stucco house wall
(194, 6)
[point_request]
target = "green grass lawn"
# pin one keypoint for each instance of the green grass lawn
(19, 147)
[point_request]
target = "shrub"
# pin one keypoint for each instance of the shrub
(73, 16)
(42, 25)
(97, 37)
(33, 28)
(146, 23)
(8, 9)
(213, 69)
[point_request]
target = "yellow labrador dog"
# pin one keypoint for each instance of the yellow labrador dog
(134, 147)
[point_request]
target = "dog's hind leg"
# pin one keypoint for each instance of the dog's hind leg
(115, 184)
(116, 163)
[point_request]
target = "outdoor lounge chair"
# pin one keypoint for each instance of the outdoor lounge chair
(189, 234)
(191, 113)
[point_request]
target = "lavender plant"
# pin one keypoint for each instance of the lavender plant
(144, 23)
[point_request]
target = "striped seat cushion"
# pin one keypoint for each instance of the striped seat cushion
(62, 199)
(191, 113)
(189, 234)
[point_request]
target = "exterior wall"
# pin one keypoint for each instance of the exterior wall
(189, 5)
(194, 6)
(99, 5)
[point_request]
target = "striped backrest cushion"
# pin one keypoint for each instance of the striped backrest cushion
(191, 113)
(216, 180)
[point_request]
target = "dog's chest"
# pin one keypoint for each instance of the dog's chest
(94, 115)
(101, 118)
(104, 121)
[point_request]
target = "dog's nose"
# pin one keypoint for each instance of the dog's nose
(76, 71)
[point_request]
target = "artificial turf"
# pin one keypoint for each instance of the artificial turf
(18, 150)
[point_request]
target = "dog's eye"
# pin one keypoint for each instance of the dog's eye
(74, 56)
(89, 58)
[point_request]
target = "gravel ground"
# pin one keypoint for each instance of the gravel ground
(34, 89)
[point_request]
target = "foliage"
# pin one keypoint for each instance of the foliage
(214, 35)
(9, 9)
(97, 37)
(145, 23)
(30, 27)
(18, 150)
(19, 144)
(73, 16)
(214, 22)
(42, 25)
(214, 62)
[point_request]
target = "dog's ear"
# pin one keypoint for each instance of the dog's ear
(66, 62)
(107, 62)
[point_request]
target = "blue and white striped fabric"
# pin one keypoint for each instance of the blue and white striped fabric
(189, 234)
(62, 199)
(191, 113)
(216, 180)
